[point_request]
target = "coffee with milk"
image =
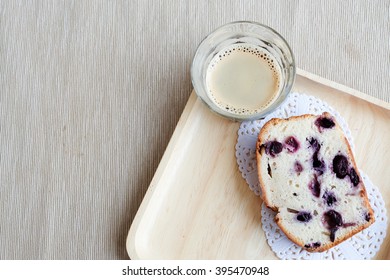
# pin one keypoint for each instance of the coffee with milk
(243, 79)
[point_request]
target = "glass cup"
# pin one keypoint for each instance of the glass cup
(258, 37)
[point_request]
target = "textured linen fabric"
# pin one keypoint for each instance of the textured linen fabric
(91, 91)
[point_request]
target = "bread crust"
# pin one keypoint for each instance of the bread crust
(260, 153)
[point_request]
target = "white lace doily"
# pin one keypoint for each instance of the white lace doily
(361, 246)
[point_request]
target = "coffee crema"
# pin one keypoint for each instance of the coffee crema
(243, 79)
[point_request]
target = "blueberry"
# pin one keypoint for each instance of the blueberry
(269, 170)
(298, 167)
(304, 216)
(292, 144)
(367, 217)
(354, 177)
(340, 166)
(313, 245)
(332, 219)
(315, 187)
(318, 164)
(316, 244)
(333, 234)
(324, 122)
(329, 198)
(314, 144)
(273, 148)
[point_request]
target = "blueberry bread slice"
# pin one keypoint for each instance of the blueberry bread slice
(308, 175)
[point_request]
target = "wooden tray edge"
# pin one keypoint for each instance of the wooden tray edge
(343, 88)
(131, 237)
(130, 245)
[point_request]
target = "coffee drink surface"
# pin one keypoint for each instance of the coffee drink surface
(243, 79)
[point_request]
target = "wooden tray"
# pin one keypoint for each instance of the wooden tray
(198, 206)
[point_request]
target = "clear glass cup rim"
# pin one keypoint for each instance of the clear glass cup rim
(270, 108)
